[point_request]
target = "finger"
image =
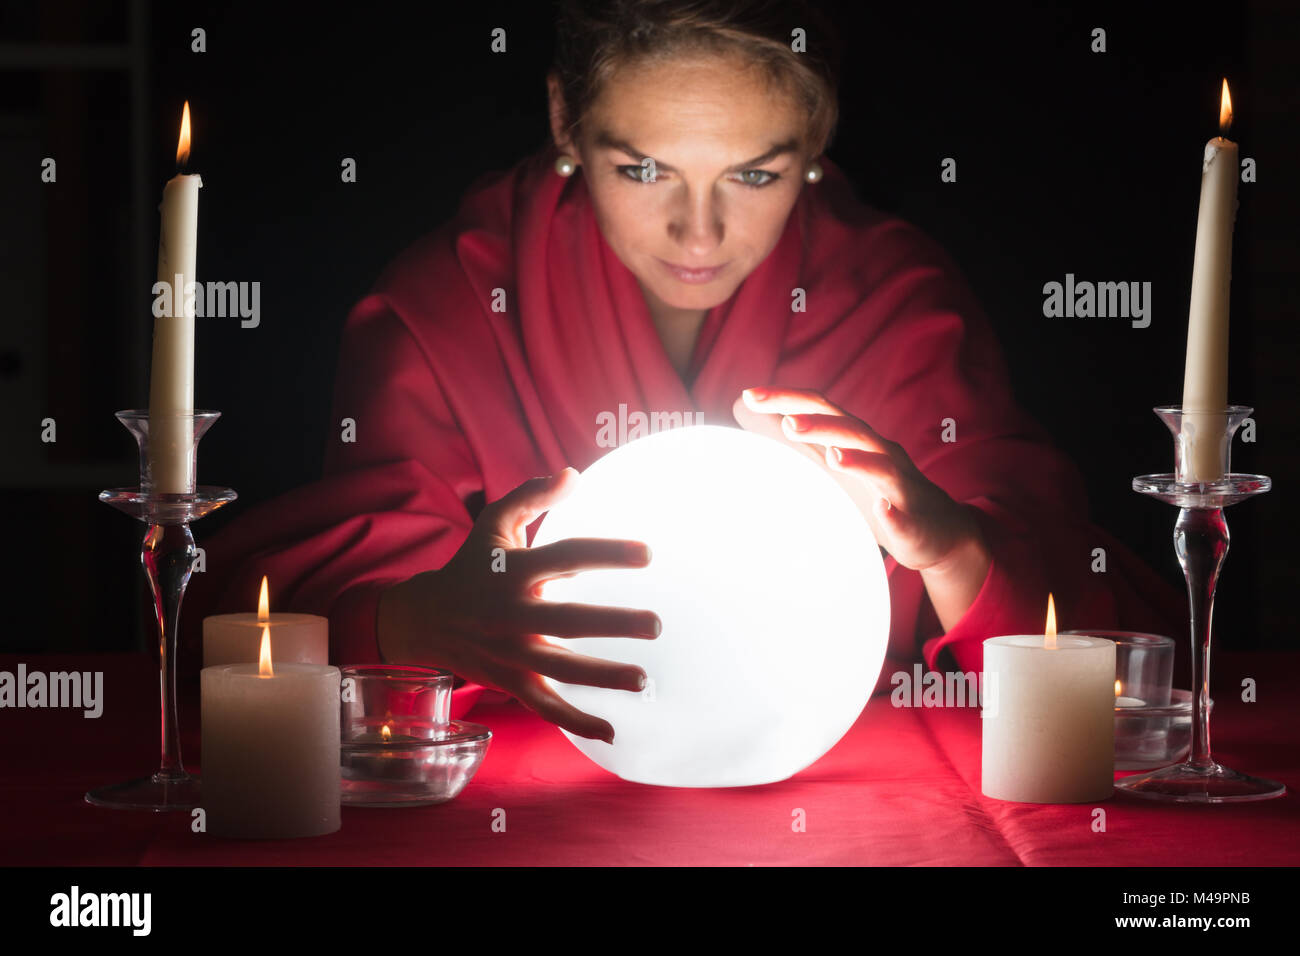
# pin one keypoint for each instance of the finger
(754, 421)
(880, 470)
(571, 555)
(533, 693)
(589, 620)
(789, 401)
(770, 426)
(740, 410)
(519, 508)
(845, 431)
(570, 667)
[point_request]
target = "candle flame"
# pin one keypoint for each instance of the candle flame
(1117, 687)
(183, 146)
(1050, 631)
(264, 604)
(1225, 109)
(264, 658)
(386, 733)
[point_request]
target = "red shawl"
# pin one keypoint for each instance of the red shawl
(456, 404)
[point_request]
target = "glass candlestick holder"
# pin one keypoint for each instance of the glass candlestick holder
(1201, 486)
(166, 500)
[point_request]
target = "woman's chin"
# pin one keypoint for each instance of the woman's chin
(681, 295)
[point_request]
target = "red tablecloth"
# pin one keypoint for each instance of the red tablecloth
(901, 788)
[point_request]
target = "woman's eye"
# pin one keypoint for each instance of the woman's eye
(756, 177)
(640, 174)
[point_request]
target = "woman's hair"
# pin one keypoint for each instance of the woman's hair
(594, 38)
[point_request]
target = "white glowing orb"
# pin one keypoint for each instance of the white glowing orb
(773, 598)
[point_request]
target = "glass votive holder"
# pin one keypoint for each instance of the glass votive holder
(1150, 737)
(399, 746)
(1152, 720)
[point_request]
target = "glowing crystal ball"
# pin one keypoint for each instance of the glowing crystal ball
(773, 598)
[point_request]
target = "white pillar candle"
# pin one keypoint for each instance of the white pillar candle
(1205, 375)
(1049, 718)
(234, 638)
(270, 757)
(237, 638)
(171, 376)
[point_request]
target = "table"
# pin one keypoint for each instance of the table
(902, 788)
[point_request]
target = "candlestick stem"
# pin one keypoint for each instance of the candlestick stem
(167, 555)
(1201, 543)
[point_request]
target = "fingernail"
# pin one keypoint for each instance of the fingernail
(610, 738)
(839, 455)
(757, 394)
(656, 627)
(794, 424)
(640, 682)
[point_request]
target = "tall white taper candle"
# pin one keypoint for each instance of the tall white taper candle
(1205, 376)
(171, 378)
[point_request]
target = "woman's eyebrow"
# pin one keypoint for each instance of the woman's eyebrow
(605, 139)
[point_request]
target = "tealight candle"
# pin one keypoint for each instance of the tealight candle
(1123, 700)
(270, 741)
(236, 638)
(388, 755)
(1049, 717)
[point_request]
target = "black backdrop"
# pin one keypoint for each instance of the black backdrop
(1069, 161)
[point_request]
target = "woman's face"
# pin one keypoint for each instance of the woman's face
(728, 165)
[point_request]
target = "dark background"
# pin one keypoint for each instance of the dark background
(1068, 161)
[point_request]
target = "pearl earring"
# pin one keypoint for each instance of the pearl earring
(813, 173)
(565, 165)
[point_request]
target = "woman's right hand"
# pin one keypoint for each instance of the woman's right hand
(482, 616)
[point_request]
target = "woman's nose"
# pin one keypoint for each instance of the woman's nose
(697, 225)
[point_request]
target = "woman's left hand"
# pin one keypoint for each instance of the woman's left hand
(913, 518)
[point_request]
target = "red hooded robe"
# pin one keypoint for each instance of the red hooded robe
(457, 403)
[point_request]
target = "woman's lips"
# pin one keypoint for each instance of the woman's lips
(693, 276)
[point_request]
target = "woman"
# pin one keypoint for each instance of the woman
(684, 241)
